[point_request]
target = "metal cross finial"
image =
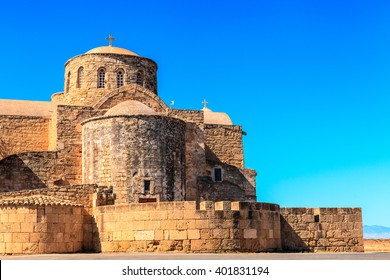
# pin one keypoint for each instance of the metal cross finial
(110, 38)
(205, 103)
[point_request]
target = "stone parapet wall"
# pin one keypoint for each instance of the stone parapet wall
(322, 229)
(224, 144)
(180, 226)
(43, 229)
(23, 133)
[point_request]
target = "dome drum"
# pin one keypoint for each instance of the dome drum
(90, 76)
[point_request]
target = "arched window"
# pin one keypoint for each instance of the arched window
(67, 82)
(101, 77)
(119, 78)
(80, 77)
(139, 79)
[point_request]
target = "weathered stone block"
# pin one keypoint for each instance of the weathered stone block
(176, 215)
(193, 234)
(202, 224)
(20, 238)
(178, 234)
(250, 233)
(168, 224)
(13, 248)
(26, 227)
(117, 235)
(144, 235)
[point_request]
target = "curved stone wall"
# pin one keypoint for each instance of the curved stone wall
(180, 226)
(142, 157)
(85, 91)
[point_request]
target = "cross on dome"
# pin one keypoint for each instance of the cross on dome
(205, 103)
(110, 38)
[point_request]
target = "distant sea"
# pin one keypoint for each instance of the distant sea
(376, 232)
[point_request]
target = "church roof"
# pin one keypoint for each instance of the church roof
(130, 107)
(111, 50)
(211, 117)
(26, 108)
(36, 200)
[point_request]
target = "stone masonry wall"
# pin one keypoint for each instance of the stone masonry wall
(31, 170)
(88, 94)
(224, 144)
(195, 149)
(69, 139)
(23, 133)
(194, 116)
(322, 229)
(195, 159)
(234, 186)
(179, 226)
(124, 151)
(41, 229)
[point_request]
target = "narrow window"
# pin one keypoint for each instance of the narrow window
(218, 174)
(101, 77)
(146, 186)
(139, 79)
(67, 82)
(80, 77)
(119, 79)
(316, 218)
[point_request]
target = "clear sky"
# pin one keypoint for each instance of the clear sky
(307, 80)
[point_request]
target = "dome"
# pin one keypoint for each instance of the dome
(211, 117)
(111, 50)
(130, 107)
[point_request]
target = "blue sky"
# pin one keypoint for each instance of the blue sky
(307, 80)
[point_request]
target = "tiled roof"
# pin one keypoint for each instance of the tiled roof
(36, 200)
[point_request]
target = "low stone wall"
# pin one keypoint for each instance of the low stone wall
(43, 229)
(322, 229)
(180, 226)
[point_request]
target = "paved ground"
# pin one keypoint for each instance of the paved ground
(177, 256)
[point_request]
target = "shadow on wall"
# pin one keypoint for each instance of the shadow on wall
(91, 237)
(234, 186)
(16, 175)
(219, 191)
(291, 242)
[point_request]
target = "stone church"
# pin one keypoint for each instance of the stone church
(107, 166)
